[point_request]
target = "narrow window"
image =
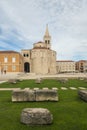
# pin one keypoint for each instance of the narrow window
(5, 59)
(13, 68)
(24, 55)
(27, 55)
(13, 59)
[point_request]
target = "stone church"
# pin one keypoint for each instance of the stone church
(41, 59)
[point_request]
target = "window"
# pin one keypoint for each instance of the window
(13, 67)
(5, 67)
(48, 42)
(24, 55)
(5, 59)
(45, 41)
(27, 55)
(13, 59)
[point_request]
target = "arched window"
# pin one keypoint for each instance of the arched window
(24, 55)
(27, 55)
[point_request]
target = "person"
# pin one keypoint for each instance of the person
(4, 71)
(1, 71)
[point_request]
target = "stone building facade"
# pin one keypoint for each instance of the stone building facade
(66, 66)
(81, 66)
(11, 61)
(41, 59)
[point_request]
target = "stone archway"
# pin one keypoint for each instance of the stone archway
(26, 67)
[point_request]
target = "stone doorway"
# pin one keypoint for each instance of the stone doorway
(26, 67)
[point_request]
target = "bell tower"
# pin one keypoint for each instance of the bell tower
(47, 38)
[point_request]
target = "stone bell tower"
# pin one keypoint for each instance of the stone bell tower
(47, 38)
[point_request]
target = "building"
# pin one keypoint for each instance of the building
(85, 66)
(40, 59)
(66, 66)
(11, 61)
(81, 65)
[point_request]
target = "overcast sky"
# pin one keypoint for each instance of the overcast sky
(23, 22)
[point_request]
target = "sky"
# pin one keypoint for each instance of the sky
(23, 23)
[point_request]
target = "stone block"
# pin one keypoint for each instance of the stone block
(12, 81)
(45, 88)
(38, 80)
(23, 95)
(55, 89)
(18, 95)
(27, 89)
(46, 95)
(31, 95)
(83, 94)
(36, 88)
(62, 80)
(36, 116)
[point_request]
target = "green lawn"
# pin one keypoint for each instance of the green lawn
(70, 113)
(46, 83)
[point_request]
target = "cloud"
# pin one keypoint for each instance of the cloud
(23, 22)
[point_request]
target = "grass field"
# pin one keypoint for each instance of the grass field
(70, 113)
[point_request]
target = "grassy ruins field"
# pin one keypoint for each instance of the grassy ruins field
(70, 113)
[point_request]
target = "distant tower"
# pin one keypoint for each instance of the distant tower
(47, 38)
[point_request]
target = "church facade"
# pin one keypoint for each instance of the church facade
(41, 59)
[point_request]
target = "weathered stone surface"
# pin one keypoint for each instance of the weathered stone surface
(36, 116)
(46, 95)
(83, 94)
(19, 95)
(12, 81)
(55, 89)
(23, 95)
(38, 80)
(62, 80)
(31, 95)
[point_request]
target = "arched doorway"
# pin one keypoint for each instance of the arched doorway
(26, 67)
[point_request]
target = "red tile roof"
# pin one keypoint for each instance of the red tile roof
(9, 51)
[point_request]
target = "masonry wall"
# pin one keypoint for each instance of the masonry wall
(43, 61)
(14, 62)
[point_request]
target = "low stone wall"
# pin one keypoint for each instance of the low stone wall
(83, 94)
(35, 94)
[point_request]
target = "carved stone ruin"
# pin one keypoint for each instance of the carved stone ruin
(83, 94)
(36, 116)
(45, 94)
(38, 80)
(62, 80)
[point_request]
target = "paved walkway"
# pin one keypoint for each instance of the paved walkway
(62, 88)
(21, 76)
(34, 76)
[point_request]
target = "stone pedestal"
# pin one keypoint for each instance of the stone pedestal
(83, 94)
(36, 116)
(46, 95)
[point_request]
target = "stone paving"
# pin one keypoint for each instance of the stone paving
(62, 88)
(73, 88)
(34, 76)
(22, 76)
(82, 88)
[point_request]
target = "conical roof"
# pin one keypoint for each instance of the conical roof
(47, 31)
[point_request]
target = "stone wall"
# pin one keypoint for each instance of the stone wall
(35, 94)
